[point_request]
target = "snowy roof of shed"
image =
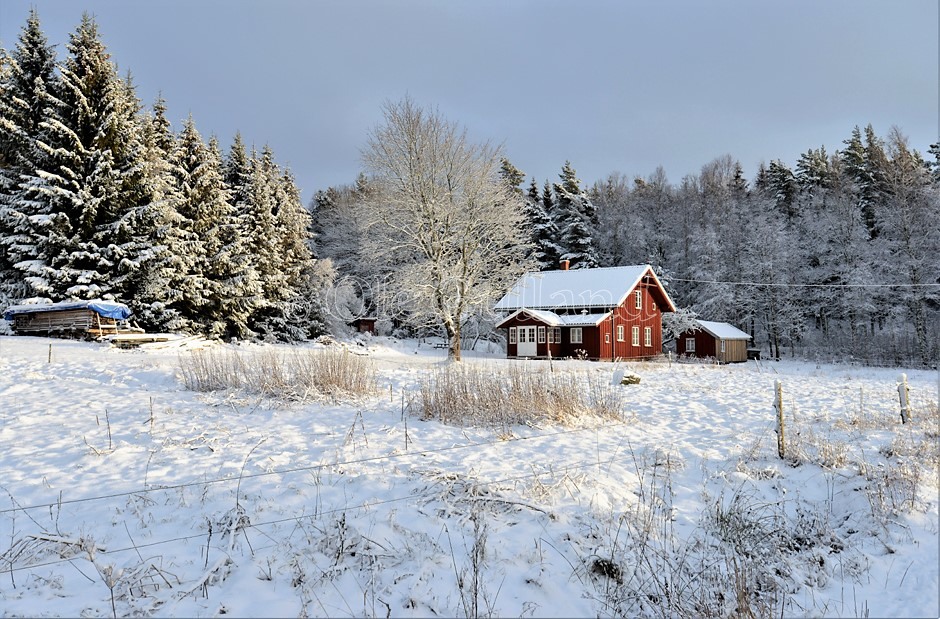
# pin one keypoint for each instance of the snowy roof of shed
(722, 330)
(579, 288)
(555, 320)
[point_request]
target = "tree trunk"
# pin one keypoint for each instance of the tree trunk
(453, 335)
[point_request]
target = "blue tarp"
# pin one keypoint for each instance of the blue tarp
(107, 309)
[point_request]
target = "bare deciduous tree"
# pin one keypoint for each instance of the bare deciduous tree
(445, 229)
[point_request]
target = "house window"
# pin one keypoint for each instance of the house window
(512, 335)
(647, 336)
(541, 335)
(639, 299)
(722, 346)
(556, 333)
(607, 338)
(575, 335)
(635, 332)
(690, 344)
(619, 333)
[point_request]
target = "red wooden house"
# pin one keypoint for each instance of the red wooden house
(608, 313)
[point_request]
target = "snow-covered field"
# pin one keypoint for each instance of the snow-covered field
(122, 493)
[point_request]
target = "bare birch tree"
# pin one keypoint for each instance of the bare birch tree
(444, 228)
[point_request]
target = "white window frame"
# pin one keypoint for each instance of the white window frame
(722, 346)
(577, 336)
(607, 338)
(541, 335)
(620, 333)
(635, 333)
(689, 344)
(512, 335)
(638, 294)
(556, 335)
(647, 336)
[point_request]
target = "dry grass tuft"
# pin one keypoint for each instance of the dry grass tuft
(293, 375)
(472, 396)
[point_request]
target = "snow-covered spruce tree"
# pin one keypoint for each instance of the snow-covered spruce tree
(782, 188)
(244, 277)
(814, 170)
(576, 219)
(126, 236)
(205, 213)
(445, 226)
(298, 305)
(279, 240)
(229, 264)
(548, 236)
(28, 84)
(542, 229)
(865, 163)
(88, 153)
(154, 288)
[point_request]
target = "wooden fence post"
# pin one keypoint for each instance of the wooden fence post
(904, 393)
(49, 360)
(778, 406)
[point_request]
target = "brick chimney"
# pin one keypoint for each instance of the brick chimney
(564, 264)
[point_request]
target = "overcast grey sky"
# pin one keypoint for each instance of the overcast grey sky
(613, 86)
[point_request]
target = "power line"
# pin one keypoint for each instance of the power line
(786, 285)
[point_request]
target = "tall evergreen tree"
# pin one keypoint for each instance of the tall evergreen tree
(87, 150)
(243, 278)
(813, 169)
(204, 212)
(28, 85)
(865, 163)
(576, 220)
(264, 244)
(782, 187)
(542, 229)
(154, 289)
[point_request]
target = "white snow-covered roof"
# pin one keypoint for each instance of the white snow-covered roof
(577, 288)
(559, 320)
(722, 330)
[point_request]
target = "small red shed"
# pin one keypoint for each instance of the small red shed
(716, 340)
(607, 313)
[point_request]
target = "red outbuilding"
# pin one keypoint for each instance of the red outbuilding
(714, 340)
(606, 313)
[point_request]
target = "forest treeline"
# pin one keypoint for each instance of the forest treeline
(839, 257)
(100, 197)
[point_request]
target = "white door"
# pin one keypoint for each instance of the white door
(526, 346)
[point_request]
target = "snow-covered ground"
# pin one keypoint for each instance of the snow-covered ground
(122, 493)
